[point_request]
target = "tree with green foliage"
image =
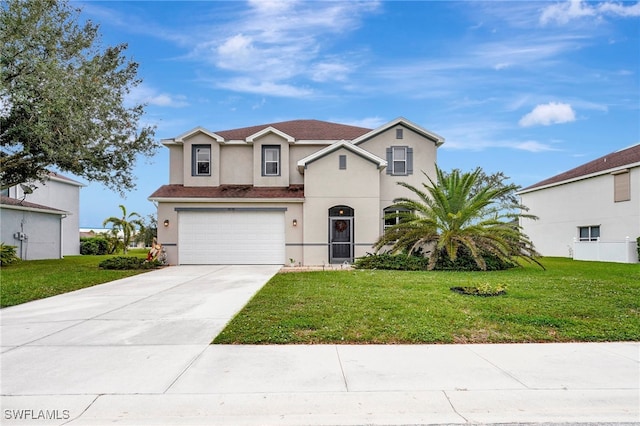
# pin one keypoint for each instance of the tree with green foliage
(454, 215)
(125, 224)
(63, 98)
(148, 232)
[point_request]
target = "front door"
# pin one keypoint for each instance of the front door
(340, 239)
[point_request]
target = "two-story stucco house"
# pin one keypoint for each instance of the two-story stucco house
(308, 190)
(591, 212)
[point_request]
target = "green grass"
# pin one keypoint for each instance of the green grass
(570, 301)
(37, 279)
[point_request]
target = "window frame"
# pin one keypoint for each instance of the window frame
(195, 162)
(404, 150)
(590, 233)
(621, 186)
(278, 162)
(397, 220)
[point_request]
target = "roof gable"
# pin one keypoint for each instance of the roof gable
(379, 162)
(606, 164)
(190, 133)
(437, 139)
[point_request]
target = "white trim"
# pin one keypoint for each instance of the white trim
(439, 140)
(302, 164)
(611, 171)
(229, 200)
(36, 210)
(267, 130)
(68, 181)
(180, 139)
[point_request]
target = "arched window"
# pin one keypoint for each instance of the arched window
(337, 211)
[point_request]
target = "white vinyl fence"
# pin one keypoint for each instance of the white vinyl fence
(621, 251)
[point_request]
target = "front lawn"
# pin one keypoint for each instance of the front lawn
(570, 301)
(37, 279)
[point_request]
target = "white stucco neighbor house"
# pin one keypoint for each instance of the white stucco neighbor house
(42, 219)
(591, 212)
(307, 191)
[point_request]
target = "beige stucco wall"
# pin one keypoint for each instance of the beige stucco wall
(168, 236)
(297, 153)
(258, 179)
(236, 164)
(176, 165)
(564, 208)
(424, 159)
(201, 139)
(327, 186)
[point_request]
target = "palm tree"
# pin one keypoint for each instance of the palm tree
(127, 224)
(455, 215)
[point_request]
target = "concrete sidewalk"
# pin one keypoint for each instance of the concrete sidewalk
(136, 351)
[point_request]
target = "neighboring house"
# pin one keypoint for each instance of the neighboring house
(305, 190)
(42, 219)
(591, 212)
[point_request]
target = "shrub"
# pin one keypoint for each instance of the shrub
(398, 262)
(638, 246)
(128, 262)
(417, 262)
(93, 246)
(8, 254)
(464, 262)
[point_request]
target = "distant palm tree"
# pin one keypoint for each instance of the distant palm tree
(126, 224)
(454, 215)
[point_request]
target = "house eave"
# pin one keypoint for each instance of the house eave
(434, 137)
(226, 200)
(614, 170)
(178, 140)
(35, 210)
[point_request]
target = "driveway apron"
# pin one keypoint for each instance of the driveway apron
(134, 335)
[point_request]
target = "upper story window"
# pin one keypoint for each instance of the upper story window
(399, 133)
(589, 233)
(621, 186)
(201, 164)
(400, 160)
(270, 160)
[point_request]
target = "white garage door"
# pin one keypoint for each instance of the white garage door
(254, 237)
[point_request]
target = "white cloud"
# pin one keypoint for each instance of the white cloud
(275, 46)
(562, 13)
(533, 146)
(367, 122)
(269, 88)
(143, 94)
(546, 114)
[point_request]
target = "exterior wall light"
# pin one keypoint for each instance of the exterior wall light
(166, 223)
(295, 222)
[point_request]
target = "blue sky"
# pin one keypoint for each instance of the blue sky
(527, 88)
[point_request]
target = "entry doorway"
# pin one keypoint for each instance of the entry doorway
(341, 224)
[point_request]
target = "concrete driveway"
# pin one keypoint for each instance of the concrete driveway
(136, 351)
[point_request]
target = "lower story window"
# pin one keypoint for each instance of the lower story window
(391, 217)
(589, 233)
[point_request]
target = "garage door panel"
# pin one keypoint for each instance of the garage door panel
(231, 237)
